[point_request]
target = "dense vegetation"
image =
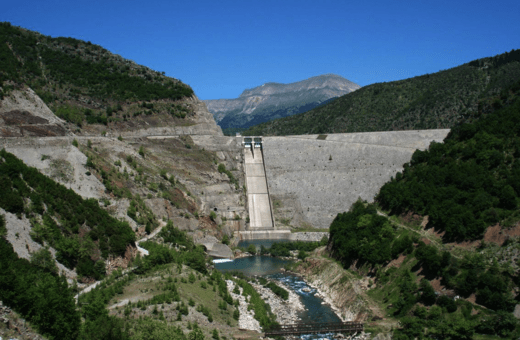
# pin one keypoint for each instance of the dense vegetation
(191, 255)
(362, 238)
(284, 248)
(464, 185)
(362, 235)
(470, 181)
(430, 101)
(79, 80)
(40, 296)
(58, 215)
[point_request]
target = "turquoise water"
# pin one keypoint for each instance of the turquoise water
(270, 267)
(316, 311)
(253, 265)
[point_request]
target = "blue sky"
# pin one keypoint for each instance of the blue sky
(222, 47)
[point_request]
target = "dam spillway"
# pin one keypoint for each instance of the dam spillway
(306, 180)
(259, 204)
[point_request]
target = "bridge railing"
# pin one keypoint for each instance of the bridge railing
(308, 328)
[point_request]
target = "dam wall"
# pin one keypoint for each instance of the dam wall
(312, 178)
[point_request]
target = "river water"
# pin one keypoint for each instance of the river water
(316, 310)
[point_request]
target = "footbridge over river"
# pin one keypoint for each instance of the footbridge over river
(348, 327)
(306, 180)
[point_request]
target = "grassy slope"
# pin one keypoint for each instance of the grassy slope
(431, 101)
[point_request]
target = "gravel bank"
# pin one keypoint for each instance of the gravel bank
(247, 319)
(286, 311)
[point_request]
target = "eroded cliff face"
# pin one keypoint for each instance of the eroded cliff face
(168, 163)
(344, 291)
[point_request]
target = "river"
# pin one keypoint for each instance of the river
(270, 267)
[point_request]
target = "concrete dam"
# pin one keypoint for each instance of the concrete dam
(305, 181)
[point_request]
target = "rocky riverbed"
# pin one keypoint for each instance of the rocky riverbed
(286, 311)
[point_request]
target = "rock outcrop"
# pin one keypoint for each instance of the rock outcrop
(24, 114)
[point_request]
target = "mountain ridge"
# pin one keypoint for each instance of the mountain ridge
(275, 100)
(431, 101)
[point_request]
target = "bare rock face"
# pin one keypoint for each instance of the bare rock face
(24, 114)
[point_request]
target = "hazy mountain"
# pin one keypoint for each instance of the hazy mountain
(275, 100)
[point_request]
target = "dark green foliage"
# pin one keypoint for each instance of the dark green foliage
(82, 72)
(501, 324)
(232, 179)
(43, 258)
(430, 101)
(402, 245)
(160, 254)
(225, 239)
(38, 295)
(361, 234)
(429, 258)
(66, 212)
(407, 296)
(467, 183)
(448, 303)
(104, 327)
(262, 310)
(428, 296)
(3, 229)
(149, 329)
(171, 234)
(281, 292)
(251, 249)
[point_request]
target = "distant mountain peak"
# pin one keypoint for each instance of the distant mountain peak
(321, 81)
(275, 100)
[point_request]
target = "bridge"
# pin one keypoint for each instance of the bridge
(315, 328)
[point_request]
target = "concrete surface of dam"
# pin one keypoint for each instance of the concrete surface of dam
(260, 213)
(312, 178)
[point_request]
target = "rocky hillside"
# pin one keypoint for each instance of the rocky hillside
(275, 100)
(100, 157)
(92, 89)
(430, 101)
(148, 153)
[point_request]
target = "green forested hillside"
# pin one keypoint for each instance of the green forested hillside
(464, 185)
(79, 80)
(42, 297)
(431, 101)
(59, 215)
(364, 239)
(470, 181)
